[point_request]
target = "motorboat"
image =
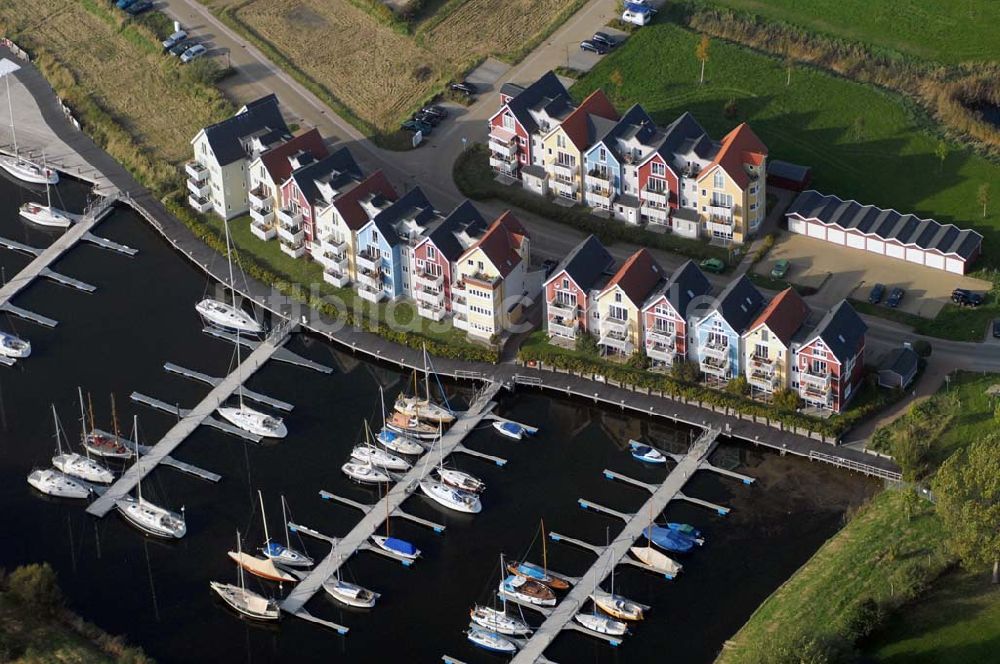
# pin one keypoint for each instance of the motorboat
(498, 621)
(227, 317)
(411, 426)
(399, 443)
(56, 484)
(509, 429)
(376, 456)
(526, 590)
(453, 499)
(656, 560)
(350, 594)
(536, 573)
(365, 473)
(617, 606)
(601, 624)
(647, 454)
(283, 554)
(83, 467)
(28, 171)
(423, 409)
(262, 567)
(14, 346)
(152, 519)
(487, 640)
(246, 602)
(461, 481)
(46, 215)
(253, 421)
(668, 540)
(689, 531)
(396, 546)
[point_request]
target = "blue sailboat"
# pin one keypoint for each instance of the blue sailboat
(668, 540)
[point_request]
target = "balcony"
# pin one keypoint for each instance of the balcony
(335, 278)
(329, 244)
(259, 198)
(427, 280)
(720, 214)
(371, 294)
(599, 197)
(370, 278)
(656, 215)
(263, 216)
(659, 352)
(460, 320)
(430, 296)
(483, 279)
(293, 249)
(562, 171)
(290, 233)
(501, 150)
(715, 366)
(263, 230)
(430, 311)
(459, 305)
(661, 337)
(614, 325)
(715, 349)
(820, 382)
(563, 327)
(653, 197)
(195, 171)
(368, 261)
(598, 179)
(564, 188)
(762, 373)
(289, 217)
(618, 342)
(332, 261)
(199, 203)
(502, 164)
(563, 309)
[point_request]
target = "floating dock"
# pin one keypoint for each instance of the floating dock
(213, 381)
(169, 461)
(282, 355)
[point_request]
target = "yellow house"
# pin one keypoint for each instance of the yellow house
(563, 147)
(767, 343)
(619, 304)
(732, 189)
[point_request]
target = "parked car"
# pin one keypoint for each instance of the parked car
(440, 111)
(427, 118)
(181, 46)
(878, 292)
(715, 265)
(966, 298)
(174, 40)
(467, 89)
(895, 297)
(122, 4)
(593, 47)
(996, 328)
(195, 51)
(604, 39)
(417, 125)
(780, 269)
(139, 7)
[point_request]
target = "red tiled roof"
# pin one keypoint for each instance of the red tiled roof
(276, 161)
(740, 146)
(501, 242)
(637, 277)
(784, 315)
(576, 123)
(348, 205)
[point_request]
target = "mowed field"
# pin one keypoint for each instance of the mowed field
(380, 74)
(948, 31)
(129, 77)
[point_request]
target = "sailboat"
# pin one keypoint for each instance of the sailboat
(395, 545)
(144, 515)
(55, 484)
(376, 456)
(246, 602)
(654, 559)
(99, 443)
(393, 440)
(250, 419)
(21, 168)
(224, 315)
(491, 641)
(411, 426)
(284, 554)
(669, 540)
(601, 624)
(262, 567)
(14, 346)
(365, 473)
(75, 464)
(46, 215)
(527, 590)
(453, 499)
(498, 621)
(423, 408)
(689, 531)
(350, 594)
(615, 605)
(646, 454)
(536, 573)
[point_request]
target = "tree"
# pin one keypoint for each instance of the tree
(967, 488)
(638, 360)
(685, 372)
(941, 152)
(983, 196)
(586, 343)
(702, 53)
(738, 385)
(36, 588)
(786, 400)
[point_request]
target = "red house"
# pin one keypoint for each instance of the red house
(308, 190)
(570, 292)
(658, 179)
(829, 365)
(666, 312)
(524, 113)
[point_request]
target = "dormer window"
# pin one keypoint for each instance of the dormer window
(603, 154)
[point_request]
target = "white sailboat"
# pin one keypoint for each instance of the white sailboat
(46, 215)
(396, 441)
(499, 621)
(284, 554)
(601, 624)
(246, 602)
(365, 473)
(375, 456)
(614, 605)
(146, 516)
(75, 464)
(55, 484)
(19, 167)
(422, 407)
(350, 594)
(457, 479)
(14, 346)
(224, 315)
(250, 419)
(491, 641)
(99, 443)
(654, 559)
(453, 499)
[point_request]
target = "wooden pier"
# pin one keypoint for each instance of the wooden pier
(181, 413)
(213, 381)
(168, 461)
(282, 355)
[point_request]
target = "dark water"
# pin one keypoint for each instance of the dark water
(116, 340)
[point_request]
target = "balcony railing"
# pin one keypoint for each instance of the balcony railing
(599, 178)
(368, 261)
(506, 150)
(762, 380)
(715, 350)
(819, 380)
(202, 188)
(714, 365)
(720, 214)
(262, 215)
(428, 280)
(597, 197)
(621, 343)
(199, 203)
(336, 277)
(656, 214)
(293, 249)
(661, 337)
(764, 365)
(291, 233)
(563, 309)
(562, 171)
(430, 296)
(660, 352)
(370, 278)
(371, 294)
(259, 198)
(612, 324)
(459, 304)
(289, 216)
(655, 197)
(334, 246)
(263, 230)
(332, 261)
(430, 311)
(196, 171)
(563, 327)
(503, 165)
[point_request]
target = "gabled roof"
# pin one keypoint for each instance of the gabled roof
(902, 361)
(349, 204)
(740, 146)
(686, 283)
(637, 277)
(907, 229)
(841, 329)
(502, 243)
(785, 314)
(277, 159)
(259, 119)
(545, 93)
(583, 124)
(338, 170)
(685, 135)
(585, 264)
(636, 123)
(739, 303)
(411, 205)
(465, 221)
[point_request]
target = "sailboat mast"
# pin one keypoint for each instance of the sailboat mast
(48, 187)
(263, 517)
(10, 107)
(381, 399)
(138, 463)
(114, 420)
(229, 257)
(427, 376)
(284, 524)
(55, 419)
(90, 407)
(239, 556)
(545, 552)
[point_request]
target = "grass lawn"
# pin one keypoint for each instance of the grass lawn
(952, 322)
(958, 622)
(948, 32)
(862, 142)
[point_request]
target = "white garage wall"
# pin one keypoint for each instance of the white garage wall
(835, 236)
(933, 260)
(876, 246)
(894, 251)
(817, 230)
(953, 265)
(855, 241)
(915, 256)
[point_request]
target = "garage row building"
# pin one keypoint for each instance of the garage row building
(675, 317)
(884, 232)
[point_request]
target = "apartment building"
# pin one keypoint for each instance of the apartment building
(272, 168)
(767, 344)
(620, 302)
(666, 312)
(572, 289)
(563, 147)
(718, 334)
(829, 364)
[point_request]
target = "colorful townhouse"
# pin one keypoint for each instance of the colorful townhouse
(718, 335)
(620, 302)
(732, 189)
(829, 365)
(609, 165)
(525, 115)
(571, 291)
(269, 170)
(666, 313)
(565, 144)
(767, 343)
(493, 279)
(218, 176)
(337, 226)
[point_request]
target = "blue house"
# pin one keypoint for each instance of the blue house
(718, 334)
(606, 185)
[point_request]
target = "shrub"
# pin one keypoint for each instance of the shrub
(586, 344)
(35, 586)
(738, 385)
(786, 399)
(638, 360)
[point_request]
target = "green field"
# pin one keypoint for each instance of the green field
(862, 143)
(948, 31)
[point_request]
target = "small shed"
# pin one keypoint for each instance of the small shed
(785, 175)
(899, 368)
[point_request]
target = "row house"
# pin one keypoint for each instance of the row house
(718, 335)
(218, 177)
(768, 343)
(620, 302)
(666, 313)
(272, 168)
(610, 165)
(565, 144)
(571, 291)
(829, 364)
(732, 189)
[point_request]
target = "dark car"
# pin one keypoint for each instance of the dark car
(439, 111)
(123, 4)
(593, 47)
(966, 298)
(604, 39)
(427, 118)
(181, 46)
(878, 292)
(715, 265)
(996, 328)
(417, 125)
(139, 7)
(895, 297)
(467, 89)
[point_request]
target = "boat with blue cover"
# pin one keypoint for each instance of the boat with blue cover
(537, 573)
(668, 540)
(687, 530)
(646, 454)
(509, 429)
(396, 546)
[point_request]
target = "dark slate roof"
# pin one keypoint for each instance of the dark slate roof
(686, 283)
(411, 204)
(788, 170)
(586, 263)
(739, 303)
(261, 118)
(902, 362)
(547, 92)
(685, 135)
(339, 169)
(907, 229)
(511, 89)
(841, 329)
(466, 217)
(636, 123)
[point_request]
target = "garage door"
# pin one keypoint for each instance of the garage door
(876, 246)
(835, 236)
(933, 260)
(797, 226)
(915, 256)
(817, 231)
(894, 251)
(855, 241)
(953, 265)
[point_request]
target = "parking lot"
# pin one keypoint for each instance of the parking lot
(840, 272)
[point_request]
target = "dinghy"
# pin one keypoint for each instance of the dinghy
(246, 602)
(668, 540)
(647, 454)
(509, 429)
(656, 560)
(526, 590)
(617, 606)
